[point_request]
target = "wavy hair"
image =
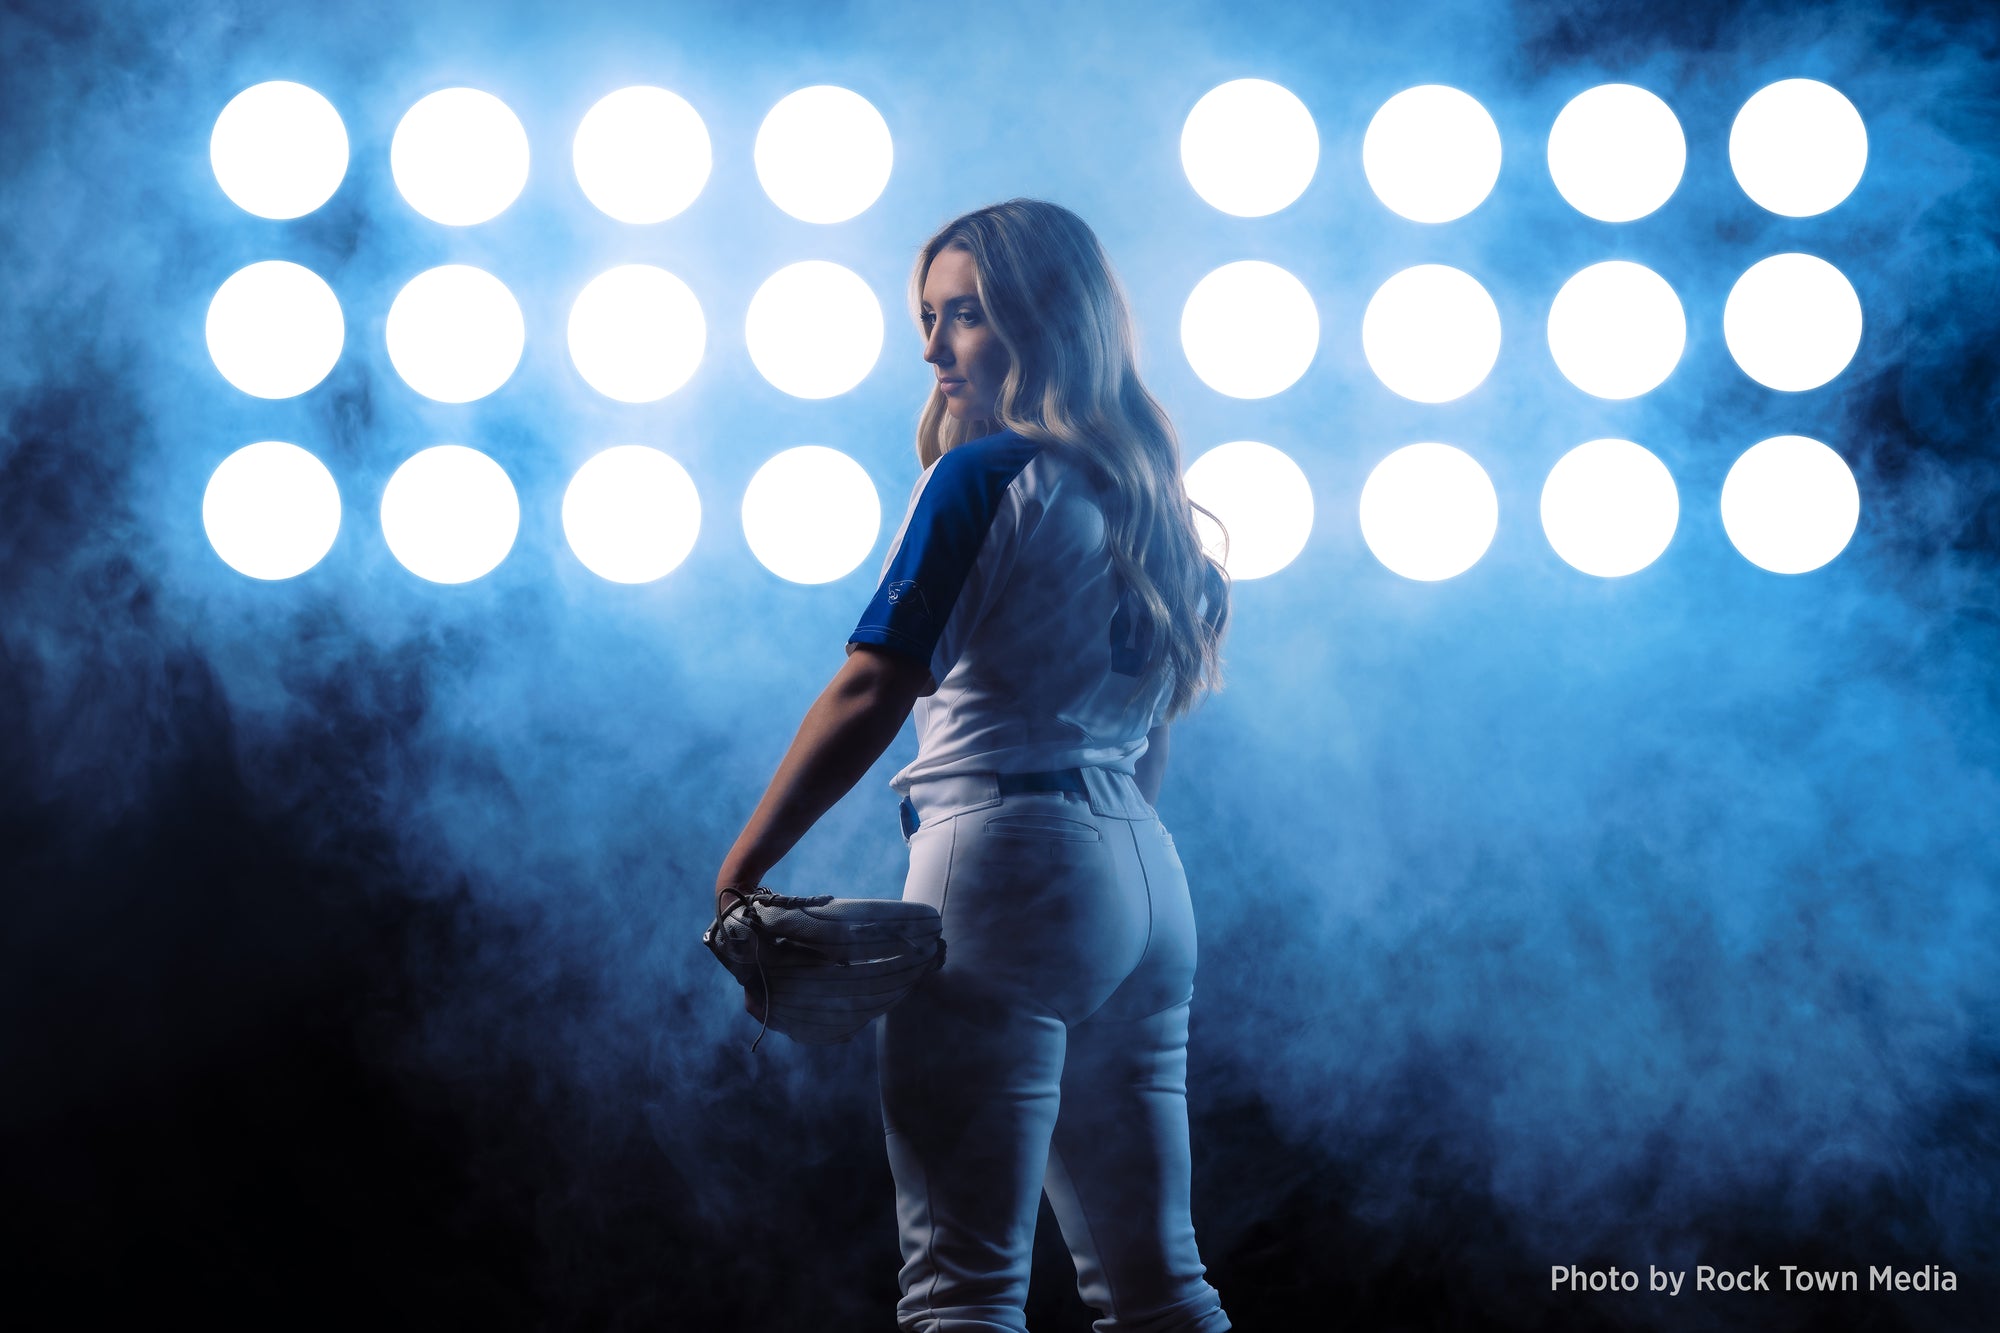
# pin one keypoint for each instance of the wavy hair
(1051, 299)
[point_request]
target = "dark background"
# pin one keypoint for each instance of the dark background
(348, 961)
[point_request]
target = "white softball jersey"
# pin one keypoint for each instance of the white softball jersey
(1001, 580)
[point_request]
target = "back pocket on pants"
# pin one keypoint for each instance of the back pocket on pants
(1034, 827)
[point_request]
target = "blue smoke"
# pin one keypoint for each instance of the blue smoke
(1643, 921)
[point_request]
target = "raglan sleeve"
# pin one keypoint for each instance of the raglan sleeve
(950, 559)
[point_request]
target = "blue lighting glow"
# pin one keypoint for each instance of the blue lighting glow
(823, 154)
(1611, 793)
(1617, 330)
(278, 150)
(274, 329)
(811, 514)
(1249, 147)
(1792, 322)
(1432, 153)
(814, 329)
(450, 514)
(1798, 147)
(460, 156)
(636, 333)
(642, 155)
(1250, 329)
(455, 333)
(1617, 152)
(1790, 504)
(1263, 500)
(1429, 511)
(1609, 508)
(631, 514)
(1431, 333)
(271, 510)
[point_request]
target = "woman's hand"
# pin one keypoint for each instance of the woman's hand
(728, 890)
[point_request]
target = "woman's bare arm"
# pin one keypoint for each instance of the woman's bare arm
(1151, 768)
(844, 732)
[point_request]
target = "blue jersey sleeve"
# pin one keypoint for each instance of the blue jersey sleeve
(950, 557)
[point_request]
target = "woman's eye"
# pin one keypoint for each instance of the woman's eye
(968, 317)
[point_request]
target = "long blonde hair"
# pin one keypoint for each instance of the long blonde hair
(1050, 297)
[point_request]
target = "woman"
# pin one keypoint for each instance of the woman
(1047, 609)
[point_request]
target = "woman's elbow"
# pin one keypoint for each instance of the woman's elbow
(890, 679)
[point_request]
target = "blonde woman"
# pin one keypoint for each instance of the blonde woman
(1047, 609)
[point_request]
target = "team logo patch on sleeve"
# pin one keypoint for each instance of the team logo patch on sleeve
(908, 591)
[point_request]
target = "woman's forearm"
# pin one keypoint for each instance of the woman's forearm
(843, 734)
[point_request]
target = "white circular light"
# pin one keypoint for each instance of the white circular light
(1249, 329)
(1431, 333)
(1249, 147)
(1790, 504)
(636, 333)
(1432, 153)
(459, 156)
(1798, 147)
(1792, 322)
(631, 514)
(1263, 500)
(1617, 330)
(642, 154)
(823, 154)
(274, 329)
(811, 514)
(455, 333)
(1616, 152)
(814, 329)
(1428, 511)
(271, 510)
(1610, 507)
(450, 514)
(278, 150)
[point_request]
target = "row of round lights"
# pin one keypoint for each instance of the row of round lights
(1616, 330)
(1431, 333)
(1432, 153)
(456, 333)
(631, 514)
(637, 333)
(1609, 507)
(641, 154)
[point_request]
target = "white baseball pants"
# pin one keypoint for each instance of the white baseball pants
(1049, 1053)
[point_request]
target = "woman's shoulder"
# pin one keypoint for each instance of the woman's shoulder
(987, 450)
(979, 472)
(1045, 468)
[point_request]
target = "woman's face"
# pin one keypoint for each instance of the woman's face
(958, 341)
